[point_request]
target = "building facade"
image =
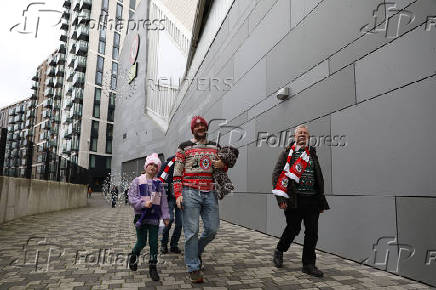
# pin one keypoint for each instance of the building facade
(364, 88)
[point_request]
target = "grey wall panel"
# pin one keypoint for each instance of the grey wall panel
(372, 41)
(261, 161)
(379, 134)
(273, 27)
(262, 8)
(354, 224)
(253, 210)
(320, 133)
(316, 38)
(230, 207)
(276, 221)
(238, 174)
(300, 9)
(403, 61)
(321, 99)
(239, 13)
(416, 231)
(249, 90)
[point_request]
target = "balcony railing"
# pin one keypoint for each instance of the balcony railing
(64, 36)
(57, 94)
(47, 103)
(80, 64)
(64, 24)
(60, 70)
(78, 79)
(49, 82)
(77, 96)
(46, 114)
(83, 33)
(67, 4)
(82, 47)
(59, 81)
(48, 92)
(51, 71)
(62, 48)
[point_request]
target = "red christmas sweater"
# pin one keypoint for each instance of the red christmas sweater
(193, 166)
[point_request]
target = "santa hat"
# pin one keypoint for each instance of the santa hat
(198, 119)
(153, 158)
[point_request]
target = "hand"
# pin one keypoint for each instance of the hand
(218, 164)
(179, 201)
(148, 204)
(166, 222)
(283, 205)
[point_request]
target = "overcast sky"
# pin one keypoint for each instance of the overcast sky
(20, 51)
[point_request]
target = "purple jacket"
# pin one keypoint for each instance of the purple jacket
(137, 203)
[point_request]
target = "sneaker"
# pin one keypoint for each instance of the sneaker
(133, 262)
(196, 276)
(153, 273)
(164, 249)
(278, 258)
(175, 250)
(312, 270)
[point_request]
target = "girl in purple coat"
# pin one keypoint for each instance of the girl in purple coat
(147, 196)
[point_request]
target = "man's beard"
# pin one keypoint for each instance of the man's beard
(200, 137)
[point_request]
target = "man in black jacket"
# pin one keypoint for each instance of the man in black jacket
(304, 200)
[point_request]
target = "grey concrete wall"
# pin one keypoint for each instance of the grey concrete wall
(376, 90)
(21, 197)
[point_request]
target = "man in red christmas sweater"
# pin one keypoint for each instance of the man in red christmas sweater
(194, 191)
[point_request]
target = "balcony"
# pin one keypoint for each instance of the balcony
(47, 103)
(49, 82)
(29, 124)
(18, 119)
(80, 64)
(62, 48)
(69, 90)
(56, 105)
(64, 36)
(46, 126)
(34, 85)
(76, 111)
(71, 60)
(57, 94)
(84, 16)
(83, 33)
(72, 47)
(75, 144)
(35, 78)
(34, 96)
(67, 4)
(28, 133)
(82, 48)
(12, 112)
(112, 101)
(66, 15)
(77, 96)
(70, 76)
(60, 58)
(69, 132)
(51, 71)
(56, 118)
(58, 82)
(43, 136)
(46, 114)
(30, 105)
(48, 92)
(30, 114)
(78, 79)
(64, 24)
(60, 70)
(20, 109)
(85, 4)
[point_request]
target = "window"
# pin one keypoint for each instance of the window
(108, 162)
(97, 97)
(109, 135)
(111, 107)
(102, 41)
(99, 72)
(105, 5)
(94, 136)
(114, 76)
(132, 4)
(116, 46)
(91, 161)
(119, 14)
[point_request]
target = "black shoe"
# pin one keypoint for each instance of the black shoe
(133, 262)
(175, 250)
(312, 270)
(153, 273)
(278, 258)
(164, 249)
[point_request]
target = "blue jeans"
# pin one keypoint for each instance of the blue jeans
(198, 203)
(178, 225)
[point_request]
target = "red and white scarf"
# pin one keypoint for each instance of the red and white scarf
(293, 172)
(163, 177)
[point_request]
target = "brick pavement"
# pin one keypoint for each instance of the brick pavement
(87, 248)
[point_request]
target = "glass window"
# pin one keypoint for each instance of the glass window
(119, 14)
(96, 112)
(98, 78)
(109, 146)
(116, 39)
(115, 53)
(105, 5)
(97, 95)
(91, 161)
(101, 47)
(132, 4)
(114, 68)
(108, 162)
(100, 63)
(114, 83)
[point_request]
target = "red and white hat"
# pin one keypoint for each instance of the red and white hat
(198, 119)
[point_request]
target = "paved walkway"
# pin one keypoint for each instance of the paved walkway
(87, 249)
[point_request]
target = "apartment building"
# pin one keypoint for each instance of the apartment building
(92, 35)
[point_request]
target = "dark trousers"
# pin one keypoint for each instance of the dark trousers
(307, 211)
(141, 240)
(174, 217)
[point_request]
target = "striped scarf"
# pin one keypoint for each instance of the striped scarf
(293, 172)
(163, 177)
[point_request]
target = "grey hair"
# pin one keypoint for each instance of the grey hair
(300, 126)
